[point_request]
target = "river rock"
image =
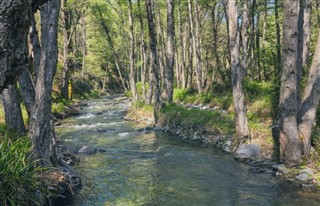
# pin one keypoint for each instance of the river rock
(307, 171)
(303, 177)
(87, 150)
(248, 151)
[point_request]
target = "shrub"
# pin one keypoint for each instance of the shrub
(17, 169)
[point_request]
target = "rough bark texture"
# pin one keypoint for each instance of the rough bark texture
(41, 126)
(290, 151)
(170, 50)
(143, 53)
(14, 26)
(245, 34)
(132, 54)
(153, 57)
(310, 101)
(237, 74)
(27, 90)
(13, 115)
(278, 58)
(307, 31)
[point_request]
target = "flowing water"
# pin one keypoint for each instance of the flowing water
(134, 167)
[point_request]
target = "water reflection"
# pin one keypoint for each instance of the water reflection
(159, 169)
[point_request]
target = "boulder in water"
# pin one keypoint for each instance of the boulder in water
(87, 150)
(248, 151)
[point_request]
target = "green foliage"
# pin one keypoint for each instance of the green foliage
(18, 173)
(181, 94)
(173, 114)
(59, 104)
(141, 105)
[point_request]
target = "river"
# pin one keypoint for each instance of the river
(134, 167)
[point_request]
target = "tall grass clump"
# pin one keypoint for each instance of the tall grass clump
(18, 173)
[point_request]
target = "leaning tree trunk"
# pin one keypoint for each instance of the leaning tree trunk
(310, 101)
(41, 125)
(237, 74)
(13, 115)
(290, 151)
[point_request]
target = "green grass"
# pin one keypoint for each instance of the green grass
(173, 114)
(18, 173)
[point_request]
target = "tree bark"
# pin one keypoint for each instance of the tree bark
(169, 74)
(41, 125)
(310, 101)
(237, 74)
(153, 57)
(132, 54)
(14, 26)
(144, 53)
(13, 115)
(290, 150)
(307, 31)
(278, 58)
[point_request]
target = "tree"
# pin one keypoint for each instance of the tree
(12, 108)
(237, 74)
(132, 54)
(154, 80)
(169, 71)
(41, 125)
(290, 150)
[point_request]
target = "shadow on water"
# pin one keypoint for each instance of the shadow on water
(137, 168)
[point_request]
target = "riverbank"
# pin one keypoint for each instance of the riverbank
(215, 127)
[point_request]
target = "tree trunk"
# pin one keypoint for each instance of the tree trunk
(237, 75)
(195, 50)
(153, 57)
(132, 59)
(13, 115)
(245, 34)
(307, 32)
(310, 101)
(27, 91)
(41, 125)
(144, 53)
(170, 51)
(278, 58)
(290, 151)
(14, 26)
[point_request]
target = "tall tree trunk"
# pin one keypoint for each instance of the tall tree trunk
(144, 53)
(290, 151)
(307, 31)
(278, 58)
(237, 75)
(310, 101)
(195, 50)
(169, 74)
(13, 115)
(66, 27)
(132, 59)
(153, 57)
(245, 34)
(41, 126)
(182, 78)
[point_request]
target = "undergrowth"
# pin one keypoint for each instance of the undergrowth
(18, 172)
